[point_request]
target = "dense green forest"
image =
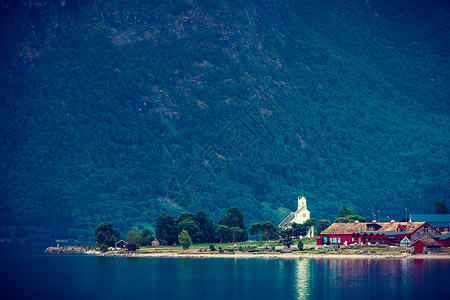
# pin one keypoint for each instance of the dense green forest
(141, 107)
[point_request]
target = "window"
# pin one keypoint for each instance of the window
(425, 229)
(339, 240)
(325, 239)
(304, 215)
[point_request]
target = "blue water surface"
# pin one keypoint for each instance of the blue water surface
(28, 273)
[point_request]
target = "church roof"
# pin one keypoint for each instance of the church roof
(286, 220)
(303, 208)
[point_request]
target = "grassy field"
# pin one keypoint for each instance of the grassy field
(238, 246)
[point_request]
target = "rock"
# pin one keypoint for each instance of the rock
(287, 250)
(67, 249)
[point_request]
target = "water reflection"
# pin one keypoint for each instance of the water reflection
(82, 277)
(370, 278)
(303, 278)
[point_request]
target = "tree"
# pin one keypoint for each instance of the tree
(302, 229)
(192, 228)
(134, 237)
(105, 234)
(269, 230)
(184, 239)
(322, 225)
(236, 232)
(255, 229)
(441, 207)
(223, 233)
(166, 231)
(346, 215)
(345, 211)
(206, 226)
(235, 218)
(297, 229)
(147, 237)
(286, 236)
(351, 219)
(184, 216)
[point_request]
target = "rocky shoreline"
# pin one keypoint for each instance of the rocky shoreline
(68, 249)
(265, 255)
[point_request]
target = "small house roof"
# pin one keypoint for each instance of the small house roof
(439, 224)
(428, 243)
(387, 233)
(430, 218)
(435, 220)
(345, 228)
(409, 227)
(443, 237)
(121, 241)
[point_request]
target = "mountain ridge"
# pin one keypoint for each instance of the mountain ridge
(124, 110)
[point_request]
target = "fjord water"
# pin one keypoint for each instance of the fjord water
(29, 273)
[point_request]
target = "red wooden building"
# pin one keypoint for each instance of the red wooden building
(426, 245)
(443, 239)
(380, 237)
(386, 233)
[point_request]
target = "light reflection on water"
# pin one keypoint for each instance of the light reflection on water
(302, 278)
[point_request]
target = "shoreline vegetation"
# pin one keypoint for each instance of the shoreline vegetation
(265, 250)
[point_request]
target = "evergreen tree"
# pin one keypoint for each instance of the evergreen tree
(166, 231)
(235, 218)
(441, 207)
(206, 227)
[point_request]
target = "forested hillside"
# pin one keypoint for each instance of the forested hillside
(120, 110)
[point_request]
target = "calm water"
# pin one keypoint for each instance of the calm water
(29, 273)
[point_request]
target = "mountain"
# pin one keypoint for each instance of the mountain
(120, 110)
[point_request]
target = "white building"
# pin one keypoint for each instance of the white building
(300, 216)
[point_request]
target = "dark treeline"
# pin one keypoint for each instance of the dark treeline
(230, 228)
(200, 229)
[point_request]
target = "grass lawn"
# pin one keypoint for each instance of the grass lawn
(224, 246)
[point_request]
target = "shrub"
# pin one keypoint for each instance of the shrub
(300, 245)
(212, 248)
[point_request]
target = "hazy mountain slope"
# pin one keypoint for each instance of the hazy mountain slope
(131, 108)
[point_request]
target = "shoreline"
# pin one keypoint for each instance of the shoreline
(268, 255)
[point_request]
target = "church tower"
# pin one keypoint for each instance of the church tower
(301, 203)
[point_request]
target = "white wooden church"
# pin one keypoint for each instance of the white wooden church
(300, 216)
